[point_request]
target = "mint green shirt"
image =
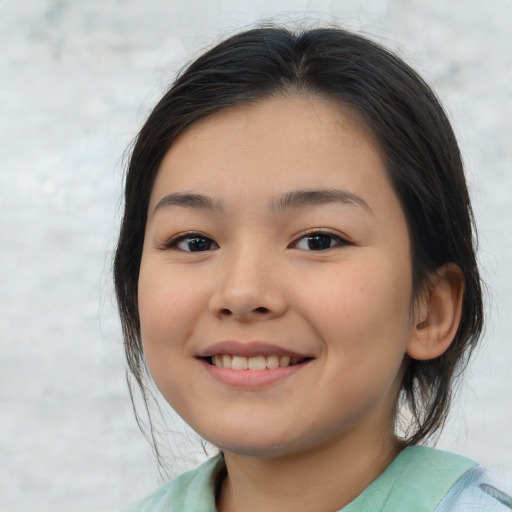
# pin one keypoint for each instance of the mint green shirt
(419, 479)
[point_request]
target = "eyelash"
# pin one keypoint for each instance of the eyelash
(174, 242)
(339, 241)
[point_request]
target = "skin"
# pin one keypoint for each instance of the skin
(315, 439)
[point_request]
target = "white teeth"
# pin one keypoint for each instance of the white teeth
(272, 362)
(227, 361)
(253, 363)
(239, 363)
(257, 363)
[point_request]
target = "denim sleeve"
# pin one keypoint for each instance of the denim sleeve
(475, 492)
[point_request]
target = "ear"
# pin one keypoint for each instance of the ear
(438, 316)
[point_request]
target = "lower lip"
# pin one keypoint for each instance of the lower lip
(251, 379)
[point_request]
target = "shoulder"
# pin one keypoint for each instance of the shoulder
(461, 484)
(192, 491)
(417, 479)
(426, 480)
(476, 491)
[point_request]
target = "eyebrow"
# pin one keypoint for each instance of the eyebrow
(289, 200)
(196, 201)
(307, 197)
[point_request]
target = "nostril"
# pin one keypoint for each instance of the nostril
(261, 310)
(225, 312)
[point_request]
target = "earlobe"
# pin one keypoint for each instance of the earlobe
(438, 315)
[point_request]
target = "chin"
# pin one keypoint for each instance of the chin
(250, 443)
(254, 444)
(255, 450)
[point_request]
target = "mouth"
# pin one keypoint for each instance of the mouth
(257, 362)
(251, 365)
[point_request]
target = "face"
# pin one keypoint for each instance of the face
(275, 284)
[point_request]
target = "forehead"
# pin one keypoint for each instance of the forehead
(272, 146)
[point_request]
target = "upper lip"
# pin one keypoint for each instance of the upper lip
(248, 349)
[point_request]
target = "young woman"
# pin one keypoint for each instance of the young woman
(296, 270)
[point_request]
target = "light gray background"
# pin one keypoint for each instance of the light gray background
(77, 80)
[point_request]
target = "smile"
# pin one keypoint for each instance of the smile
(259, 362)
(252, 372)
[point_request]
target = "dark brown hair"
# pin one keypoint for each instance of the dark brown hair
(414, 136)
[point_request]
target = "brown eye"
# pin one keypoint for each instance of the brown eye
(319, 242)
(194, 243)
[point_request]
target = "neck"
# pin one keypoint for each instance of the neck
(324, 479)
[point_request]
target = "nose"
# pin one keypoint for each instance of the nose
(248, 289)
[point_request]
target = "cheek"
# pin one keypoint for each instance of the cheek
(164, 311)
(363, 307)
(362, 316)
(167, 309)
